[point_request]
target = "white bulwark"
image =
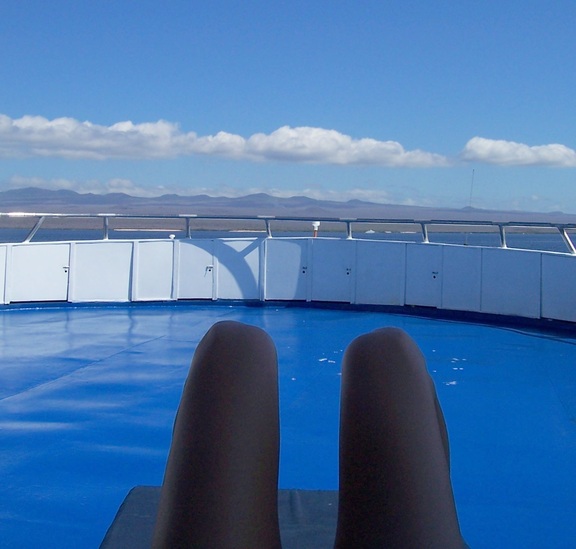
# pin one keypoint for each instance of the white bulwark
(523, 283)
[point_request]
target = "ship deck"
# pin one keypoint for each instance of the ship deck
(88, 396)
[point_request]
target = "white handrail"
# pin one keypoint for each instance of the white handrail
(268, 220)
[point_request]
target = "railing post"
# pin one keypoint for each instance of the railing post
(267, 219)
(105, 227)
(567, 239)
(349, 230)
(268, 228)
(348, 221)
(424, 227)
(35, 229)
(502, 230)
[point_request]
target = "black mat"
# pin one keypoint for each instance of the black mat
(307, 519)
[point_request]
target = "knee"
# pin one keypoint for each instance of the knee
(384, 340)
(392, 336)
(383, 350)
(232, 333)
(227, 328)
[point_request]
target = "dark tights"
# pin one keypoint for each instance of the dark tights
(220, 485)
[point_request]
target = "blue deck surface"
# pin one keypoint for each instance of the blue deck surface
(88, 397)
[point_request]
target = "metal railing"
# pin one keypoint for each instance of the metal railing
(393, 225)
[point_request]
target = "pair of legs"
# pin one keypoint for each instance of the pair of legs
(220, 485)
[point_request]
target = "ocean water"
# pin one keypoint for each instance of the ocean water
(552, 242)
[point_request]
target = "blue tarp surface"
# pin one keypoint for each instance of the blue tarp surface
(88, 397)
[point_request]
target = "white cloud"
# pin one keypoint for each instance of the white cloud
(510, 153)
(70, 138)
(36, 136)
(306, 144)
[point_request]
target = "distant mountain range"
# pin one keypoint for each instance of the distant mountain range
(64, 201)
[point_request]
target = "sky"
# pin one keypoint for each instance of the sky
(424, 102)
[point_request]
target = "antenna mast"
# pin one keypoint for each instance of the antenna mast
(471, 189)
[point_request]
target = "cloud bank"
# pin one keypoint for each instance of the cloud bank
(70, 138)
(36, 136)
(510, 153)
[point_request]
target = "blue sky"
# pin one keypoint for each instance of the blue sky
(407, 102)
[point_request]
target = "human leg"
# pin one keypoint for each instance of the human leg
(395, 488)
(220, 484)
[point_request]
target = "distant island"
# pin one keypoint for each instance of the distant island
(34, 199)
